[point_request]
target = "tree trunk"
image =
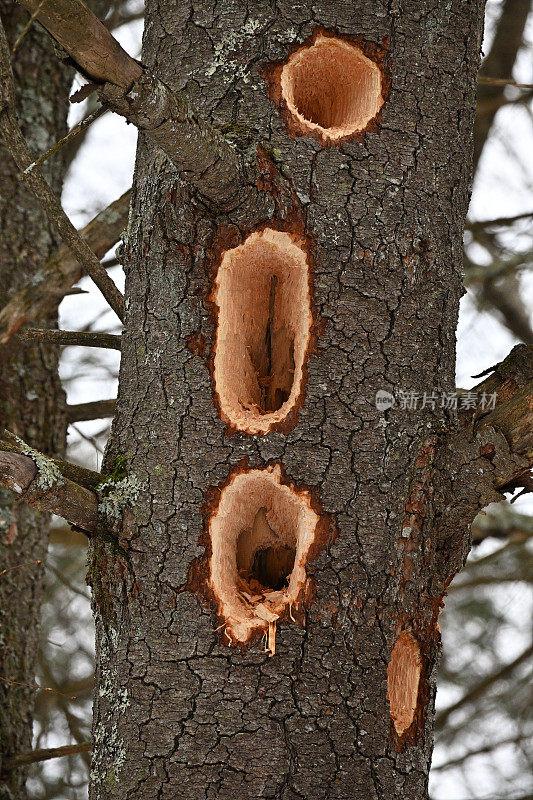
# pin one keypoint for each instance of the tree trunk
(31, 397)
(186, 705)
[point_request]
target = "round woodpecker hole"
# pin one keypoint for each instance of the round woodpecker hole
(331, 89)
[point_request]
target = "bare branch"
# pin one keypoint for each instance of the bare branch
(503, 82)
(10, 443)
(497, 222)
(488, 748)
(498, 65)
(476, 691)
(87, 40)
(67, 536)
(48, 490)
(46, 754)
(120, 17)
(505, 298)
(477, 273)
(488, 580)
(501, 521)
(62, 270)
(73, 132)
(197, 149)
(67, 338)
(490, 106)
(16, 144)
(98, 409)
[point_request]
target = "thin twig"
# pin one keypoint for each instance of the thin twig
(18, 147)
(27, 27)
(44, 755)
(65, 581)
(35, 686)
(62, 270)
(92, 440)
(503, 82)
(66, 338)
(65, 140)
(18, 566)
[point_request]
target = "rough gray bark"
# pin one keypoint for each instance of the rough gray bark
(177, 713)
(31, 397)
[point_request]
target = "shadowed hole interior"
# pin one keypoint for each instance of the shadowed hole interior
(262, 558)
(260, 533)
(264, 319)
(273, 565)
(332, 87)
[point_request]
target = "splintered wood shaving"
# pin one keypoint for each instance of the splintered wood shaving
(263, 602)
(259, 605)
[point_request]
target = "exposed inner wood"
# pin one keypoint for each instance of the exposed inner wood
(332, 87)
(261, 533)
(403, 677)
(264, 322)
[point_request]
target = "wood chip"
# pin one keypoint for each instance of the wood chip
(261, 611)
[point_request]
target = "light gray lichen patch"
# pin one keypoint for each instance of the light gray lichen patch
(116, 496)
(108, 744)
(48, 473)
(226, 59)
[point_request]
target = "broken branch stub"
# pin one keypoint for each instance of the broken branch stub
(261, 533)
(331, 89)
(263, 330)
(403, 678)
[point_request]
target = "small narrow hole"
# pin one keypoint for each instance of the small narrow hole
(331, 88)
(263, 329)
(403, 677)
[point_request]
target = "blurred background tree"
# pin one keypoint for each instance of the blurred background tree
(482, 728)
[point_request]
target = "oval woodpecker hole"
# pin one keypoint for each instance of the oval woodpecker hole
(263, 330)
(260, 532)
(403, 677)
(331, 89)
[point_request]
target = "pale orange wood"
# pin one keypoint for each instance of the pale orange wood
(403, 677)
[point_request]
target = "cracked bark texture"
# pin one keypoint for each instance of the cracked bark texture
(31, 397)
(177, 713)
